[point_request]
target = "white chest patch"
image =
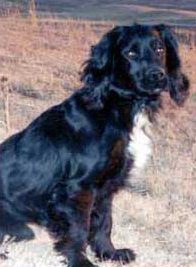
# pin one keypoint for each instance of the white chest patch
(140, 145)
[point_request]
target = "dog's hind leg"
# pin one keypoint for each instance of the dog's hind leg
(12, 225)
(69, 225)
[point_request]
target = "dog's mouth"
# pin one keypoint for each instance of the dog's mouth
(154, 88)
(160, 86)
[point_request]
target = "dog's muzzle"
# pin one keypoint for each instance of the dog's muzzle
(157, 79)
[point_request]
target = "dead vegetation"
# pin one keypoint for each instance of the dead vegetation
(40, 61)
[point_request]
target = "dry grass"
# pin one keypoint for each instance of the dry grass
(41, 60)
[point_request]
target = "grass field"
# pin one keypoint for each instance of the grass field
(40, 62)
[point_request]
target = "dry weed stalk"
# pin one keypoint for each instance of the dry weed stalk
(32, 14)
(5, 90)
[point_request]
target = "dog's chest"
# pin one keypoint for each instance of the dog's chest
(140, 144)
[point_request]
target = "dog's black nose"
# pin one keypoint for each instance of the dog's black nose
(155, 74)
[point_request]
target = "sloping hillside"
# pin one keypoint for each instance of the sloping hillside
(125, 11)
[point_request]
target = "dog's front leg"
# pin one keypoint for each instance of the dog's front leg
(70, 220)
(100, 232)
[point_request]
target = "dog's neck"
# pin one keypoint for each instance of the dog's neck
(105, 97)
(136, 101)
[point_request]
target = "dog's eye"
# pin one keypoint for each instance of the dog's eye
(159, 51)
(158, 47)
(131, 54)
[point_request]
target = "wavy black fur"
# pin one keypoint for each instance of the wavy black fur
(63, 170)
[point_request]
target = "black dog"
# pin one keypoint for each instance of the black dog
(63, 170)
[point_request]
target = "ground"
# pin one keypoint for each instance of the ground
(40, 61)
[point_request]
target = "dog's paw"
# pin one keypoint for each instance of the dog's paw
(122, 255)
(3, 256)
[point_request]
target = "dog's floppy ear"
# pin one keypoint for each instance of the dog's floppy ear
(97, 70)
(178, 82)
(172, 55)
(100, 62)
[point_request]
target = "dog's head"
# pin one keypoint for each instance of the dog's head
(140, 59)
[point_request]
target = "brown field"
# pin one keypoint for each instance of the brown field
(40, 61)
